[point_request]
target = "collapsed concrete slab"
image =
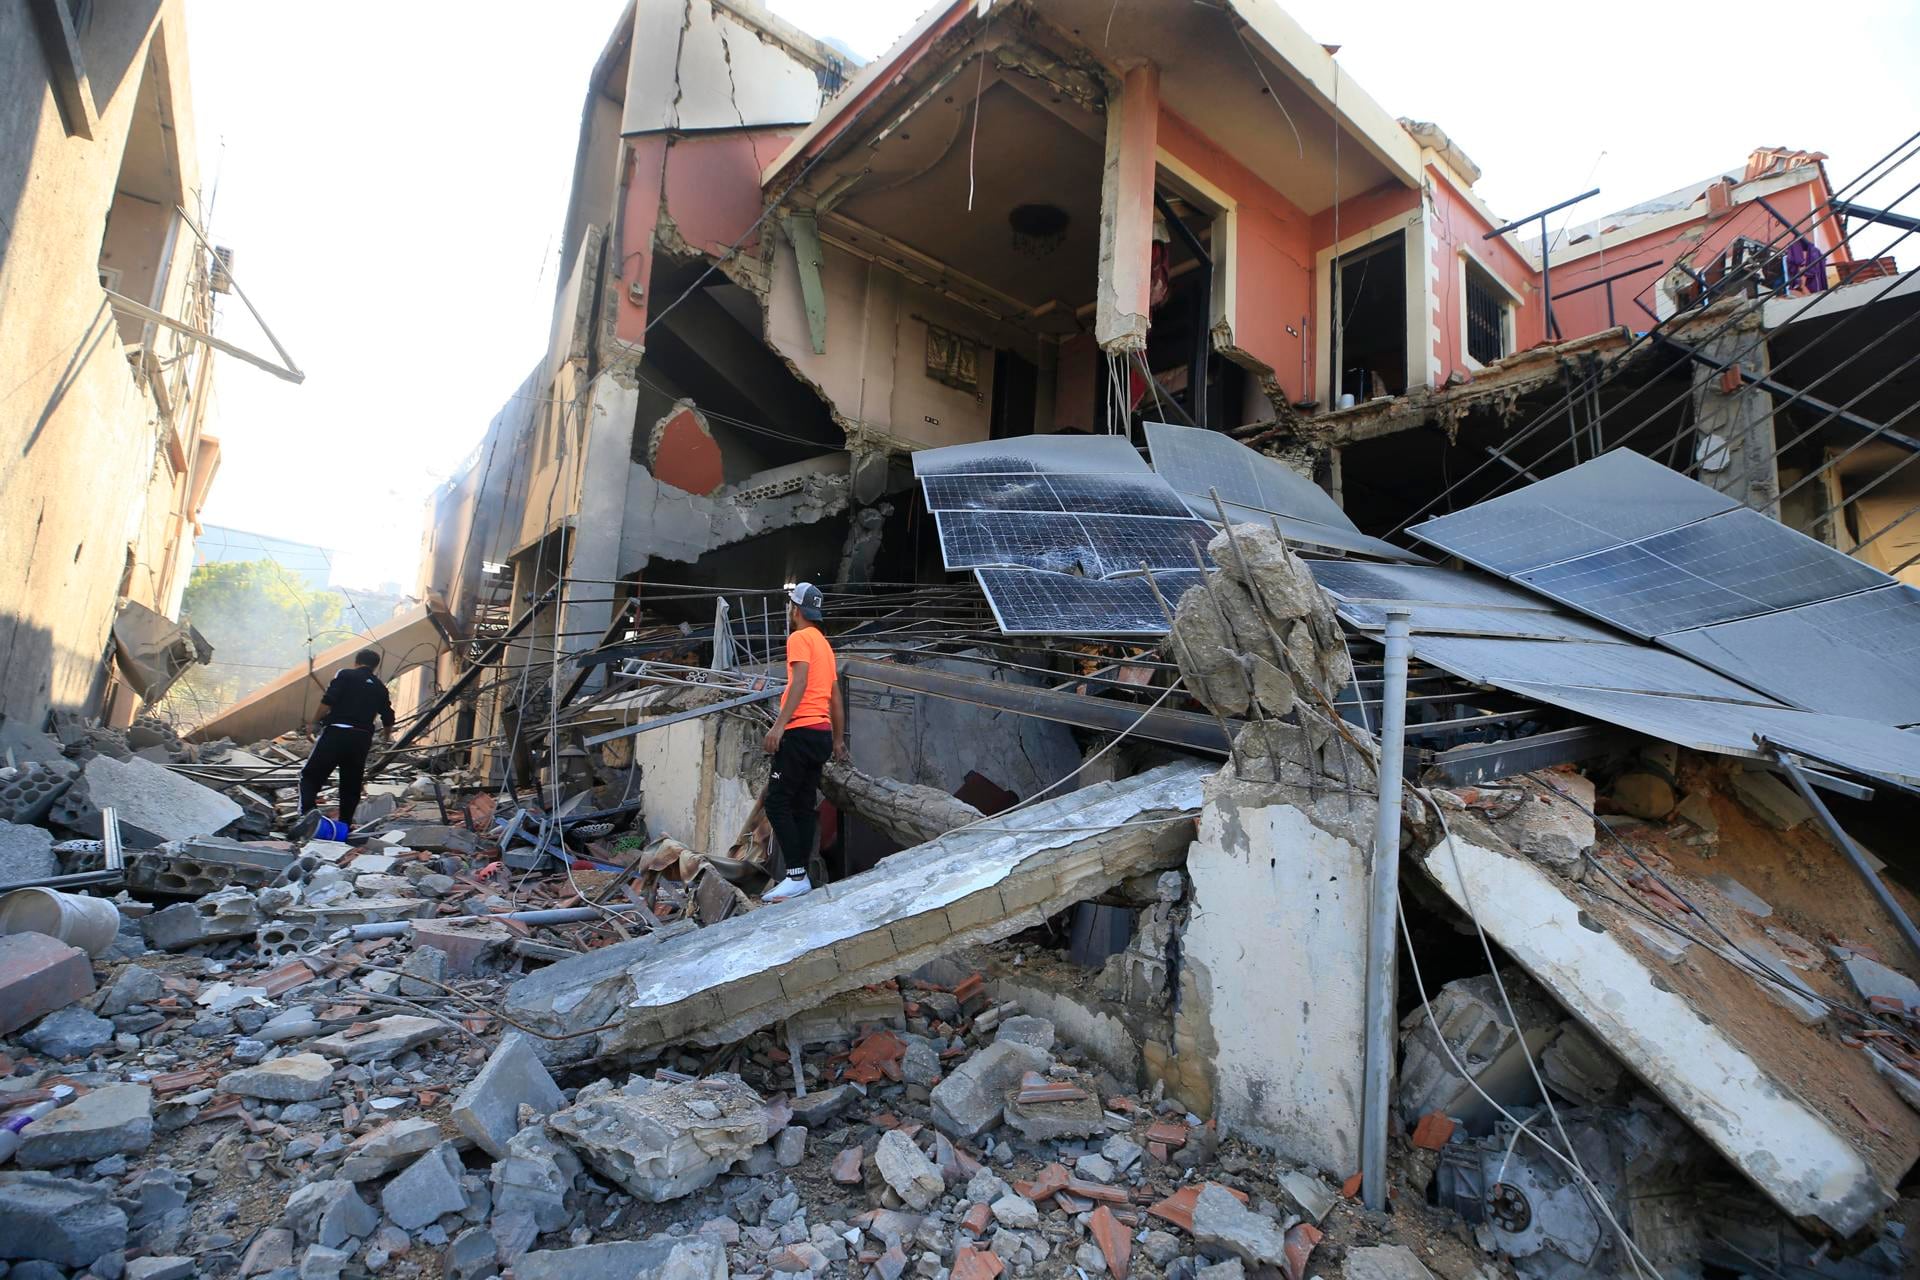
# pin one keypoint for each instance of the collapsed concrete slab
(967, 887)
(154, 804)
(1766, 1123)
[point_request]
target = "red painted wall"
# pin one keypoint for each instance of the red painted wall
(1453, 222)
(1273, 260)
(712, 188)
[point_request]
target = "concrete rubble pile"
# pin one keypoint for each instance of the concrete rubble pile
(357, 1058)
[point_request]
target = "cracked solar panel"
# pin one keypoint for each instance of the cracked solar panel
(1100, 494)
(1858, 655)
(1031, 454)
(1305, 533)
(1026, 602)
(1734, 565)
(1617, 498)
(1470, 620)
(1091, 545)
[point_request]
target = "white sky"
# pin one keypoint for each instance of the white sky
(392, 178)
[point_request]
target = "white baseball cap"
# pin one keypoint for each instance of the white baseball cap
(807, 598)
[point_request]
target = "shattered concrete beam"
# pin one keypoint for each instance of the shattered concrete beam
(906, 811)
(1756, 1119)
(715, 985)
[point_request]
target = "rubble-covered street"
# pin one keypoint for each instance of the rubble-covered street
(990, 640)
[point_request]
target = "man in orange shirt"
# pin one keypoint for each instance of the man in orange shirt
(810, 730)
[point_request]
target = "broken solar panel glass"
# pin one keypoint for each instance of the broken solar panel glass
(1854, 656)
(1026, 602)
(1095, 546)
(1055, 454)
(1630, 668)
(1103, 494)
(1734, 565)
(1617, 498)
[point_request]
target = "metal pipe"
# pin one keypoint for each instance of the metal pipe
(1384, 898)
(1859, 860)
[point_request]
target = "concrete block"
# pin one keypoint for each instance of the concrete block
(1871, 978)
(972, 1099)
(29, 792)
(1385, 1262)
(426, 1189)
(160, 1268)
(658, 1258)
(468, 947)
(1222, 1225)
(303, 1077)
(913, 1177)
(70, 1033)
(154, 803)
(488, 1109)
(669, 1142)
(387, 1038)
(1770, 799)
(1474, 1025)
(26, 854)
(845, 1016)
(218, 917)
(114, 1120)
(1027, 1029)
(58, 1220)
(329, 1213)
(533, 1180)
(379, 1152)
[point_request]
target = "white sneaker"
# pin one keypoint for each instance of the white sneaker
(795, 884)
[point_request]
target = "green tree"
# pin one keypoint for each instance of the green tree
(260, 620)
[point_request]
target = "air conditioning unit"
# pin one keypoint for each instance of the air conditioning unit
(222, 281)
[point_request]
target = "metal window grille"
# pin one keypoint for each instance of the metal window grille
(1486, 319)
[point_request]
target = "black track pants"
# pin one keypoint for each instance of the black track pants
(793, 796)
(342, 749)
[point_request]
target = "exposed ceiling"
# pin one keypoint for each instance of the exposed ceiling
(148, 168)
(916, 189)
(1209, 80)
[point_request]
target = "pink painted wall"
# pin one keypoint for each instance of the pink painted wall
(1273, 259)
(1587, 312)
(639, 211)
(1453, 223)
(1367, 209)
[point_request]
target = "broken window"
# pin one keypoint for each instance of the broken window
(1370, 347)
(1487, 328)
(142, 226)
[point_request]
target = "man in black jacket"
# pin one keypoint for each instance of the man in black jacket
(345, 724)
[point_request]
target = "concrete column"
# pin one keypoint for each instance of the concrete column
(1273, 977)
(612, 406)
(1126, 211)
(1733, 430)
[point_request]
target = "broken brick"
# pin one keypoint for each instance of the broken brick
(977, 1219)
(846, 1166)
(1433, 1131)
(1171, 1134)
(1116, 1245)
(39, 974)
(1178, 1207)
(975, 1264)
(1299, 1246)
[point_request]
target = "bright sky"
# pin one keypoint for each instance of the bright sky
(392, 178)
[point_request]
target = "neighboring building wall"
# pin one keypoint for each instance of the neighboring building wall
(1800, 195)
(105, 470)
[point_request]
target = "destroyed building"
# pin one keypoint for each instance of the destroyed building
(108, 291)
(1368, 758)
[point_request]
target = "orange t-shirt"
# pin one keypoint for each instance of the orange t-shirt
(815, 711)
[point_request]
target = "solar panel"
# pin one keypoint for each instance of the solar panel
(1858, 655)
(1354, 580)
(1026, 602)
(1729, 728)
(1051, 453)
(1471, 620)
(1108, 494)
(1733, 565)
(1092, 545)
(1616, 498)
(1316, 536)
(1194, 461)
(1622, 667)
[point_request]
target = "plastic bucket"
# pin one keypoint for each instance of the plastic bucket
(76, 919)
(332, 829)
